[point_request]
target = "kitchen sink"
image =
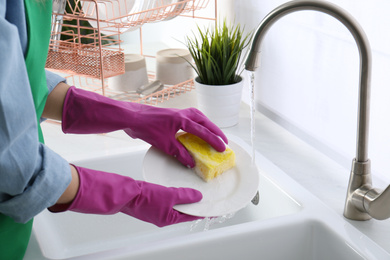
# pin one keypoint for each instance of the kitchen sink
(71, 234)
(288, 223)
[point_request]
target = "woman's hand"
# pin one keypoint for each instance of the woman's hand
(158, 127)
(86, 112)
(108, 193)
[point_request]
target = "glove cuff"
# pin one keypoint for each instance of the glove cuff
(86, 112)
(100, 193)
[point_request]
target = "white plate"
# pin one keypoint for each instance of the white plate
(177, 10)
(226, 194)
(116, 12)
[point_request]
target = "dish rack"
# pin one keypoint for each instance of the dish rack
(89, 55)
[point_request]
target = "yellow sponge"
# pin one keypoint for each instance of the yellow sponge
(208, 162)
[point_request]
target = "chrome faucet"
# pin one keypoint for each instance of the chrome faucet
(363, 202)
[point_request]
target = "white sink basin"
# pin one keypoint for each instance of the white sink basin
(294, 240)
(289, 223)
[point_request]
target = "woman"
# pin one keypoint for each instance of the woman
(32, 177)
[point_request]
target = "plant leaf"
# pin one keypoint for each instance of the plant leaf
(216, 53)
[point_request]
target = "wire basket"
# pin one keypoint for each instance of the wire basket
(89, 61)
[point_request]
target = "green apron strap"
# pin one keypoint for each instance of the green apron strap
(14, 236)
(39, 28)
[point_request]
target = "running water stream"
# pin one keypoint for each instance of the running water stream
(252, 113)
(256, 198)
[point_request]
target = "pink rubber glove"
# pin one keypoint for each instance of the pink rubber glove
(87, 112)
(108, 193)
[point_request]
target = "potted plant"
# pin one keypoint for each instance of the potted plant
(216, 57)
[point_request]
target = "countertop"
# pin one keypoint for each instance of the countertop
(316, 172)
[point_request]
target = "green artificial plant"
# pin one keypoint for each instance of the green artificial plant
(216, 53)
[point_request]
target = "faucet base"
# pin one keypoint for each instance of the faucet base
(359, 184)
(356, 215)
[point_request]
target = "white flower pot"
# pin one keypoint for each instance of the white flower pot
(220, 103)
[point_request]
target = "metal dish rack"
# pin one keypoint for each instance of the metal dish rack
(88, 57)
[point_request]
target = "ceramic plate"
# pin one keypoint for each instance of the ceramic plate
(178, 9)
(116, 12)
(226, 194)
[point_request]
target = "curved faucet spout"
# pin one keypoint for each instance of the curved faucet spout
(253, 58)
(360, 204)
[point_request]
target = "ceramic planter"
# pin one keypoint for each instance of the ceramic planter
(220, 103)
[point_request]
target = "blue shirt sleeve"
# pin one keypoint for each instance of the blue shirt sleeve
(53, 80)
(32, 177)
